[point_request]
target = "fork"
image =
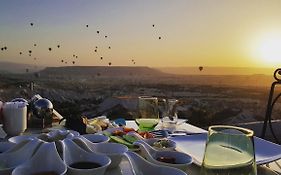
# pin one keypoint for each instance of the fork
(167, 133)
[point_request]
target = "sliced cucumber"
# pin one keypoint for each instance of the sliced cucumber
(130, 138)
(121, 141)
(106, 133)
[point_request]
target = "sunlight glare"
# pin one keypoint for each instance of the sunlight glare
(269, 49)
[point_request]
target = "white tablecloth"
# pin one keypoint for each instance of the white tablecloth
(262, 170)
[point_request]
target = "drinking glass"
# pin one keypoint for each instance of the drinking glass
(148, 113)
(229, 151)
(170, 117)
(162, 107)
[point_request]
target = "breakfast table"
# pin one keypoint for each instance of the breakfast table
(272, 168)
(267, 168)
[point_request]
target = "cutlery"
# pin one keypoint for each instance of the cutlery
(167, 133)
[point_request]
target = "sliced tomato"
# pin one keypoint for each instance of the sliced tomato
(118, 133)
(127, 129)
(146, 135)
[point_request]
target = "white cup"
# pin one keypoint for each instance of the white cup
(14, 118)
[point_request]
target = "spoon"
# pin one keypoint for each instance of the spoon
(17, 155)
(181, 160)
(42, 162)
(142, 166)
(72, 154)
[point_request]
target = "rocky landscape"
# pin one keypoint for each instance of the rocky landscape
(113, 91)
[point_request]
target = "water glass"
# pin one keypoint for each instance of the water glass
(162, 107)
(170, 117)
(148, 113)
(229, 151)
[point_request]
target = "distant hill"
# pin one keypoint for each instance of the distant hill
(114, 71)
(18, 68)
(217, 70)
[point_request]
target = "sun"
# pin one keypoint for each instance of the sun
(268, 49)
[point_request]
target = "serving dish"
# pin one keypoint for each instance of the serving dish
(194, 145)
(195, 142)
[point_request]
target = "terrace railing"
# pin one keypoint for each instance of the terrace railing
(272, 99)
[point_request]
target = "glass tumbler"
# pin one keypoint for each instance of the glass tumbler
(148, 113)
(229, 151)
(170, 117)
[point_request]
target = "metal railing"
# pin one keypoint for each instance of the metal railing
(270, 104)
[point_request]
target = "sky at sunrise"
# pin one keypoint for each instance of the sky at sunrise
(155, 33)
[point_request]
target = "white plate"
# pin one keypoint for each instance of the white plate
(194, 145)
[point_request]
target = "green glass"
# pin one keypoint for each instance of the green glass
(148, 113)
(229, 151)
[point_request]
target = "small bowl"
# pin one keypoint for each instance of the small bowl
(170, 147)
(114, 151)
(96, 138)
(72, 153)
(18, 139)
(180, 160)
(143, 166)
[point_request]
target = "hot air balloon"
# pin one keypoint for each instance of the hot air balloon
(62, 61)
(58, 46)
(109, 63)
(87, 25)
(96, 47)
(101, 58)
(76, 56)
(153, 25)
(20, 53)
(98, 31)
(30, 51)
(109, 47)
(5, 48)
(34, 45)
(159, 37)
(200, 68)
(95, 50)
(134, 62)
(105, 36)
(73, 62)
(29, 54)
(73, 55)
(50, 49)
(2, 48)
(31, 24)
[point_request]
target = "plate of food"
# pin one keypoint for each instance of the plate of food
(126, 136)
